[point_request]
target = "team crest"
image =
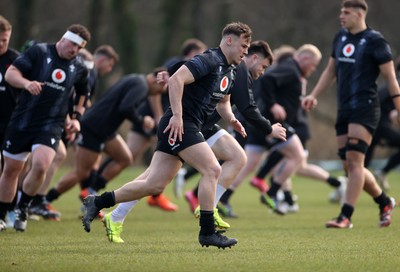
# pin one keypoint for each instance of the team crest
(348, 50)
(171, 141)
(58, 76)
(224, 83)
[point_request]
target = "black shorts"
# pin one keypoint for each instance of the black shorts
(16, 142)
(89, 140)
(367, 117)
(255, 137)
(303, 131)
(238, 137)
(191, 136)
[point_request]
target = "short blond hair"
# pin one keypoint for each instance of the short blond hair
(283, 51)
(238, 29)
(308, 49)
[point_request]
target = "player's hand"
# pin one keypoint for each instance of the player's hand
(309, 102)
(162, 79)
(34, 87)
(70, 137)
(148, 123)
(72, 126)
(175, 128)
(278, 112)
(278, 132)
(236, 125)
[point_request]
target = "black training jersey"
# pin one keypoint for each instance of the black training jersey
(8, 94)
(120, 102)
(213, 80)
(47, 111)
(280, 84)
(357, 66)
(242, 97)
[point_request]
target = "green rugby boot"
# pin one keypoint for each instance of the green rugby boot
(113, 229)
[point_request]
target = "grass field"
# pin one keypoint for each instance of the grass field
(161, 241)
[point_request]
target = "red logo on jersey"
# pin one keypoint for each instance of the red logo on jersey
(58, 76)
(348, 50)
(224, 83)
(171, 141)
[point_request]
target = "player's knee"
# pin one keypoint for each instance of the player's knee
(358, 145)
(61, 155)
(123, 158)
(213, 171)
(298, 158)
(303, 160)
(240, 159)
(40, 167)
(127, 161)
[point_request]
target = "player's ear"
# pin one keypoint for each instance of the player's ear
(229, 40)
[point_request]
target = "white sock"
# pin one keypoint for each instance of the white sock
(218, 194)
(119, 214)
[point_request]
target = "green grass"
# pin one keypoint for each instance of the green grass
(161, 241)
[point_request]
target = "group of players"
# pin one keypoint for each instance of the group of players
(202, 87)
(123, 101)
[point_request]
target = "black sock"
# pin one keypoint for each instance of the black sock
(106, 200)
(207, 222)
(89, 181)
(383, 200)
(226, 196)
(347, 210)
(37, 200)
(392, 163)
(13, 204)
(334, 182)
(288, 197)
(25, 200)
(272, 160)
(99, 183)
(52, 195)
(4, 207)
(273, 190)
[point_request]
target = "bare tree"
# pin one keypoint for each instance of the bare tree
(96, 11)
(171, 12)
(24, 16)
(126, 34)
